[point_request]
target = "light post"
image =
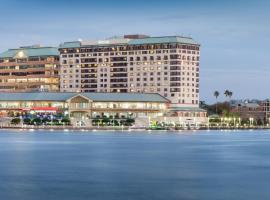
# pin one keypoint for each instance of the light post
(165, 118)
(82, 121)
(51, 119)
(240, 121)
(221, 120)
(250, 121)
(113, 121)
(229, 124)
(21, 119)
(225, 121)
(180, 121)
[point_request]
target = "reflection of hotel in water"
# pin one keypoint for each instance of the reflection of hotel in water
(31, 68)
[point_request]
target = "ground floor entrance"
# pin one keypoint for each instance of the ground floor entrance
(80, 118)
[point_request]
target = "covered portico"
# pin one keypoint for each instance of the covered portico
(80, 110)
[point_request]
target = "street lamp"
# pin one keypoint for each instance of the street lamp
(229, 121)
(180, 121)
(51, 119)
(250, 121)
(113, 120)
(221, 120)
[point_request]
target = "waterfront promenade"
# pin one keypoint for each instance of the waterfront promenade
(130, 128)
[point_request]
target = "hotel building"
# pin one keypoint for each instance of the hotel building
(32, 68)
(166, 65)
(130, 66)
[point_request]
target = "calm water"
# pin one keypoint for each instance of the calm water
(134, 165)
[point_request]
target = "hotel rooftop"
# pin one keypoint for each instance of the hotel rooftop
(30, 51)
(101, 97)
(131, 40)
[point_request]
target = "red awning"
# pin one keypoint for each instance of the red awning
(44, 109)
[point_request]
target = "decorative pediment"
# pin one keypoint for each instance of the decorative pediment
(79, 98)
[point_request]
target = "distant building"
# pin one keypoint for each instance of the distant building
(249, 109)
(187, 116)
(32, 68)
(266, 109)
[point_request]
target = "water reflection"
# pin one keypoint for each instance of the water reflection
(134, 165)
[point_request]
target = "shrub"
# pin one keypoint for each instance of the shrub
(37, 121)
(45, 120)
(15, 121)
(128, 122)
(95, 122)
(66, 121)
(27, 121)
(105, 121)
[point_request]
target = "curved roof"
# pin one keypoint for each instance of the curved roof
(31, 52)
(101, 97)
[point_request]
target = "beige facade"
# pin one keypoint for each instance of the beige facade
(31, 68)
(165, 65)
(84, 109)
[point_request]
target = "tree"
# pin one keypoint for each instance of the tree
(226, 93)
(230, 94)
(66, 121)
(129, 122)
(15, 121)
(45, 120)
(27, 121)
(216, 94)
(36, 121)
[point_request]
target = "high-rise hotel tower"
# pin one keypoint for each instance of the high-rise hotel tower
(167, 65)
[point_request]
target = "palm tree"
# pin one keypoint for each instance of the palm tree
(226, 93)
(216, 94)
(230, 94)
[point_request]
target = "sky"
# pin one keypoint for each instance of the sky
(234, 34)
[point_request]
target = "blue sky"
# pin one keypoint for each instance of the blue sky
(235, 35)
